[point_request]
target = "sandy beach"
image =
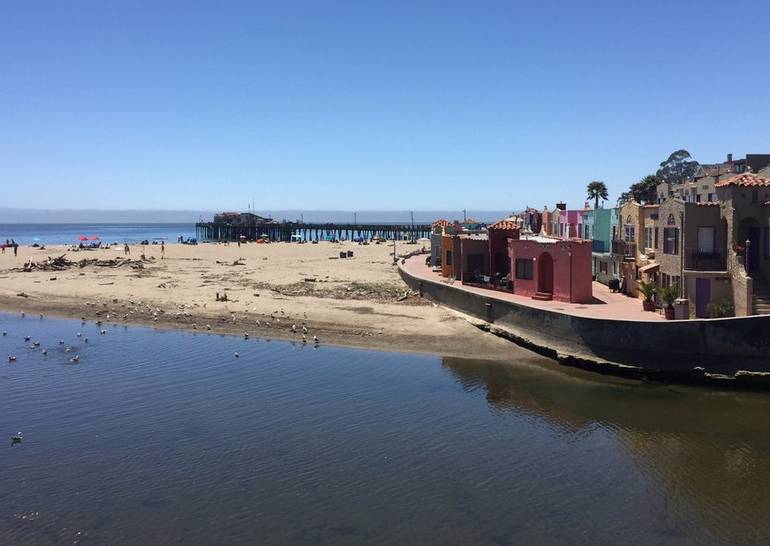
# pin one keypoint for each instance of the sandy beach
(358, 301)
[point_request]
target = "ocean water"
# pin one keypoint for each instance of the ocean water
(163, 437)
(58, 234)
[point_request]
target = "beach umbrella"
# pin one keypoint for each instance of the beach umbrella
(93, 238)
(83, 238)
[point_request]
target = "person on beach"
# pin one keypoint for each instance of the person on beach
(15, 247)
(126, 250)
(162, 249)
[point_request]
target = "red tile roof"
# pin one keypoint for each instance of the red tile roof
(441, 222)
(745, 179)
(503, 224)
(709, 204)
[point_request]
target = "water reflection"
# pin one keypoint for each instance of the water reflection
(707, 453)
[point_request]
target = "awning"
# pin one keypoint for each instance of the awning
(649, 268)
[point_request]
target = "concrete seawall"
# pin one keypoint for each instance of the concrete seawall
(735, 348)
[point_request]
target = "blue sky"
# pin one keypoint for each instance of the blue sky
(368, 105)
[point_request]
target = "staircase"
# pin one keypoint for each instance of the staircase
(760, 304)
(548, 296)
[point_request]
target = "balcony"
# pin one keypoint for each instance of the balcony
(704, 261)
(625, 249)
(599, 246)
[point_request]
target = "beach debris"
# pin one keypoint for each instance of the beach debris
(16, 439)
(22, 295)
(62, 263)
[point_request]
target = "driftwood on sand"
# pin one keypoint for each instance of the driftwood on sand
(62, 263)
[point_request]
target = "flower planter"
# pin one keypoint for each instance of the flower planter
(669, 311)
(648, 305)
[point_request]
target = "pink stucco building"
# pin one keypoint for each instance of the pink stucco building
(545, 268)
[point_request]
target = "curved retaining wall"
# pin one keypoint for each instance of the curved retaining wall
(736, 347)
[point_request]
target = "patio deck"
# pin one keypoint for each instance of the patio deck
(606, 304)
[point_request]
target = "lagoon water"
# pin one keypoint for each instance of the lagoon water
(162, 437)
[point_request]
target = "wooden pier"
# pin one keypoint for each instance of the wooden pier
(283, 231)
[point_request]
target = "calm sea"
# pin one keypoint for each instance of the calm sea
(162, 437)
(57, 234)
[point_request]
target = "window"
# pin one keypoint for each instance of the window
(670, 240)
(648, 237)
(587, 231)
(706, 239)
(671, 220)
(711, 198)
(629, 234)
(603, 267)
(614, 268)
(448, 259)
(524, 268)
(655, 241)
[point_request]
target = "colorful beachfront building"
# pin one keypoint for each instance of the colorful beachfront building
(545, 268)
(600, 226)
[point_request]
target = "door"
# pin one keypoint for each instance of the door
(545, 273)
(753, 249)
(702, 297)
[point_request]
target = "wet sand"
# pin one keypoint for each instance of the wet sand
(358, 301)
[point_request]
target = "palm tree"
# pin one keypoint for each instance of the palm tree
(597, 190)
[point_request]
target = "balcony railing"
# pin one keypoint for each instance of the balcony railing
(623, 248)
(696, 260)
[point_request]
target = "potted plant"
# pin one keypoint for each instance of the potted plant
(668, 295)
(648, 291)
(721, 309)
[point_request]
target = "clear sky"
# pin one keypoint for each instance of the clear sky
(368, 105)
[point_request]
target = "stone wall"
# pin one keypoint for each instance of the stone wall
(688, 347)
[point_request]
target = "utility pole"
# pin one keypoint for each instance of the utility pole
(412, 214)
(395, 259)
(355, 218)
(465, 216)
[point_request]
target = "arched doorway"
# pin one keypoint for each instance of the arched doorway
(545, 273)
(748, 230)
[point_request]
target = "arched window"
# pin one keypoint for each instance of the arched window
(671, 220)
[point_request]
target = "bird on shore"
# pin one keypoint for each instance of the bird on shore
(208, 327)
(294, 328)
(304, 338)
(5, 333)
(36, 344)
(23, 314)
(45, 351)
(102, 332)
(68, 349)
(11, 358)
(85, 340)
(61, 342)
(258, 323)
(75, 358)
(16, 439)
(79, 334)
(236, 355)
(41, 315)
(26, 338)
(245, 335)
(304, 330)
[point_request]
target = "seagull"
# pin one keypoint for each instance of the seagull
(26, 338)
(102, 332)
(5, 333)
(208, 327)
(258, 323)
(236, 355)
(45, 351)
(11, 358)
(245, 335)
(67, 349)
(61, 342)
(36, 344)
(85, 340)
(79, 334)
(293, 327)
(304, 338)
(16, 439)
(75, 358)
(304, 330)
(23, 314)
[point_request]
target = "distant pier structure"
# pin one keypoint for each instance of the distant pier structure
(232, 226)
